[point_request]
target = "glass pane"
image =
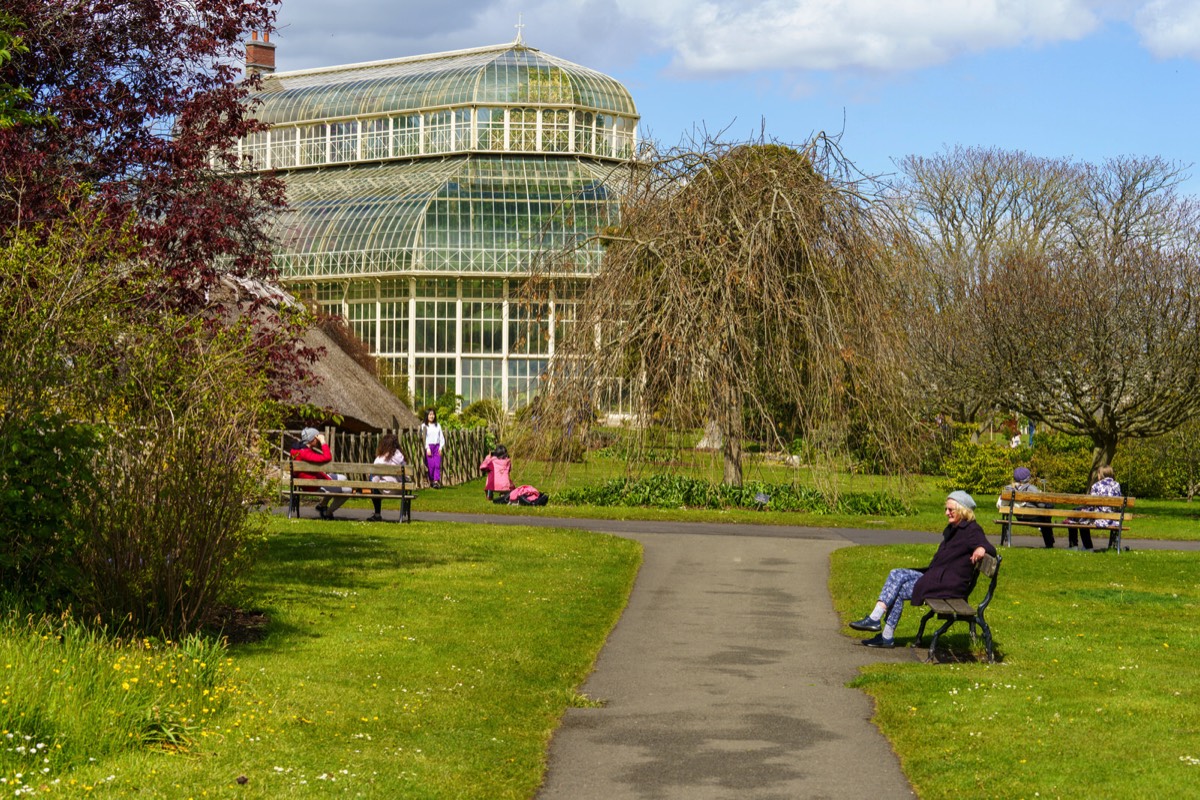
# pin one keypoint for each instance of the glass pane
(343, 141)
(556, 131)
(435, 326)
(524, 376)
(528, 329)
(283, 147)
(482, 379)
(362, 319)
(376, 139)
(393, 328)
(312, 144)
(434, 377)
(483, 326)
(522, 130)
(438, 131)
(406, 135)
(489, 128)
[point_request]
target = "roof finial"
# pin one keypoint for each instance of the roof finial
(520, 26)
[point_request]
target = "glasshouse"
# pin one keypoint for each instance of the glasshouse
(422, 192)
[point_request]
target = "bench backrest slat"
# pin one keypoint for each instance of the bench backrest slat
(989, 566)
(1008, 495)
(351, 469)
(1051, 513)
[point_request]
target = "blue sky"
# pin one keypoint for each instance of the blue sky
(1089, 79)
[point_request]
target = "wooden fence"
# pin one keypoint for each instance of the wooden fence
(465, 448)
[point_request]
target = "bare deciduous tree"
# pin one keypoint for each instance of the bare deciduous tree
(1066, 292)
(965, 207)
(745, 282)
(1101, 337)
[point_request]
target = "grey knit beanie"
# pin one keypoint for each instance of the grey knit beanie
(962, 498)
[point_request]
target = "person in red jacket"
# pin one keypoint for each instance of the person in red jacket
(314, 450)
(949, 574)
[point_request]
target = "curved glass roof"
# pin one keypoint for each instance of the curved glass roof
(461, 215)
(510, 74)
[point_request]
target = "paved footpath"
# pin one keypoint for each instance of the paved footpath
(725, 678)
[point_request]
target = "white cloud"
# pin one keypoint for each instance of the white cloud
(316, 33)
(706, 37)
(1170, 28)
(880, 35)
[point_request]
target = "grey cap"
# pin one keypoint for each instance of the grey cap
(308, 434)
(962, 498)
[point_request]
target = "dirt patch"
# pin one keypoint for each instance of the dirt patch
(240, 626)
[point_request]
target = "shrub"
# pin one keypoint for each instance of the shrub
(142, 516)
(1063, 472)
(678, 491)
(937, 444)
(1165, 466)
(44, 463)
(1061, 443)
(1063, 462)
(170, 520)
(1144, 470)
(977, 467)
(603, 440)
(482, 412)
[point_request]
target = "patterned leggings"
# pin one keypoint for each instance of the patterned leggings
(896, 589)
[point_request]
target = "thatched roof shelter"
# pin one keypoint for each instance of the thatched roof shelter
(343, 387)
(350, 391)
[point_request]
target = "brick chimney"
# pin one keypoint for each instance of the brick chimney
(260, 56)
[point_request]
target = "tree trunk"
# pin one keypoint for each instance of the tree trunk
(731, 422)
(1104, 447)
(731, 450)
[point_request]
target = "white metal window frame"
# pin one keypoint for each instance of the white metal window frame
(363, 304)
(350, 140)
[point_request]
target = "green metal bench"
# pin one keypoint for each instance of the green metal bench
(959, 609)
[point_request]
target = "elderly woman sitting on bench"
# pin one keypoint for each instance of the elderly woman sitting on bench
(949, 574)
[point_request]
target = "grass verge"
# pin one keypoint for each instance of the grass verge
(1172, 520)
(1096, 693)
(427, 660)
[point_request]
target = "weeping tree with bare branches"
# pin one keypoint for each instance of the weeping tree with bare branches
(746, 288)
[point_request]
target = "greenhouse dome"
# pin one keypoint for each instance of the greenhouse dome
(423, 190)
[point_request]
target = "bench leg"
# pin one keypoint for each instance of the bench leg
(293, 506)
(933, 642)
(405, 510)
(987, 638)
(921, 630)
(1005, 535)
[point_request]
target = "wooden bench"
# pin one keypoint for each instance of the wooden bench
(357, 481)
(1064, 514)
(958, 609)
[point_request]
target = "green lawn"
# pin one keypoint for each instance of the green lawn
(1096, 694)
(429, 660)
(1174, 520)
(435, 660)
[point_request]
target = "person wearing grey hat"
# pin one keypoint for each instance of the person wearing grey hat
(949, 574)
(1021, 483)
(313, 450)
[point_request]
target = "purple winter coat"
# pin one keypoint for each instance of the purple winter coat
(950, 572)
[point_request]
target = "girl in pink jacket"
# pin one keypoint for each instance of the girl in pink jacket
(497, 466)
